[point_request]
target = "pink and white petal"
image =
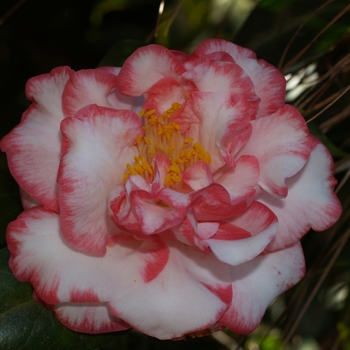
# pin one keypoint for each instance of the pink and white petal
(256, 283)
(85, 87)
(192, 288)
(97, 144)
(241, 181)
(152, 216)
(245, 237)
(311, 202)
(233, 143)
(163, 94)
(220, 116)
(121, 211)
(34, 147)
(58, 273)
(282, 144)
(118, 101)
(213, 203)
(145, 67)
(269, 83)
(209, 46)
(187, 118)
(92, 318)
(226, 77)
(110, 69)
(161, 164)
(197, 176)
(181, 56)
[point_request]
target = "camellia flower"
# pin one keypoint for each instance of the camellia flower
(168, 195)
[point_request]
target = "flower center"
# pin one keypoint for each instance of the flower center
(163, 135)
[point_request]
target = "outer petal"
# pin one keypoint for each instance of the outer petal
(58, 273)
(269, 83)
(282, 143)
(145, 67)
(257, 283)
(258, 221)
(89, 318)
(208, 46)
(97, 144)
(311, 202)
(87, 87)
(192, 289)
(139, 278)
(226, 77)
(34, 146)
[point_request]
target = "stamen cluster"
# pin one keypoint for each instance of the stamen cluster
(162, 134)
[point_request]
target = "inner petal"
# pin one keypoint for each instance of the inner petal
(163, 135)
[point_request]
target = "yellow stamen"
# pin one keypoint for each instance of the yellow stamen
(149, 113)
(162, 134)
(188, 140)
(147, 140)
(139, 139)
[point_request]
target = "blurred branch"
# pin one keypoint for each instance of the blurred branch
(11, 11)
(340, 245)
(297, 32)
(300, 54)
(330, 104)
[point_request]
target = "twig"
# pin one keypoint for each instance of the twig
(330, 104)
(297, 56)
(11, 11)
(328, 268)
(297, 32)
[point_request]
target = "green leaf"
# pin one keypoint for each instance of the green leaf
(27, 324)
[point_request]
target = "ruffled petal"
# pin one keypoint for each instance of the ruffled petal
(238, 53)
(240, 182)
(219, 117)
(226, 77)
(282, 144)
(256, 283)
(92, 318)
(34, 146)
(138, 278)
(145, 67)
(87, 87)
(58, 273)
(163, 94)
(198, 176)
(97, 144)
(213, 203)
(192, 288)
(311, 202)
(153, 216)
(242, 239)
(269, 83)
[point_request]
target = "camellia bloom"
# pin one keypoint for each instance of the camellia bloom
(168, 195)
